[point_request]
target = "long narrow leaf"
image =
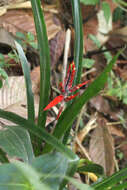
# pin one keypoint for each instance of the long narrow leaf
(110, 181)
(78, 48)
(44, 59)
(38, 131)
(78, 51)
(26, 71)
(120, 187)
(69, 116)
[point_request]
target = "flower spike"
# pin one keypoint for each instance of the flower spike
(66, 90)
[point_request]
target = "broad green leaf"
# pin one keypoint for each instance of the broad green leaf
(55, 166)
(106, 10)
(68, 116)
(51, 165)
(31, 176)
(39, 132)
(26, 71)
(15, 141)
(44, 59)
(88, 63)
(89, 2)
(20, 176)
(112, 180)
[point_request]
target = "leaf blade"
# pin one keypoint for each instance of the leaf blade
(26, 71)
(44, 59)
(15, 141)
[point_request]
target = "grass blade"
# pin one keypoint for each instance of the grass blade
(112, 180)
(78, 51)
(44, 59)
(26, 71)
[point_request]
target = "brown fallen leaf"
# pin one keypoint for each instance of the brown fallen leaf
(120, 33)
(35, 77)
(102, 147)
(114, 130)
(22, 21)
(57, 46)
(102, 105)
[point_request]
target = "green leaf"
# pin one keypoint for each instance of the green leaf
(31, 176)
(106, 10)
(3, 74)
(39, 132)
(51, 165)
(80, 186)
(44, 60)
(3, 157)
(89, 2)
(95, 40)
(1, 83)
(20, 35)
(120, 186)
(117, 14)
(68, 116)
(15, 141)
(20, 176)
(88, 63)
(78, 46)
(112, 180)
(30, 36)
(94, 168)
(26, 71)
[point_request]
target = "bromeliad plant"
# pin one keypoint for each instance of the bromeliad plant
(66, 90)
(48, 171)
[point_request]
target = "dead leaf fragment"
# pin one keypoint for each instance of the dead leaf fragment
(119, 33)
(57, 46)
(114, 130)
(102, 147)
(102, 105)
(10, 93)
(22, 21)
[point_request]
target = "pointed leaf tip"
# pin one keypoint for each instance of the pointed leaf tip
(54, 102)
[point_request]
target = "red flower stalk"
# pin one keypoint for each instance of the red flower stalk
(66, 89)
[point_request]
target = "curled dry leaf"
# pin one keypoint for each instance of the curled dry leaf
(102, 147)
